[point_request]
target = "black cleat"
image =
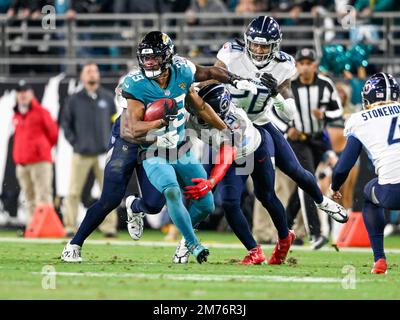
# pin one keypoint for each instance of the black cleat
(201, 253)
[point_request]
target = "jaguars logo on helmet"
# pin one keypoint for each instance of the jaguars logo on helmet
(158, 45)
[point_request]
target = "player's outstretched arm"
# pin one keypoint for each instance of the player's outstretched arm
(224, 160)
(204, 110)
(224, 76)
(281, 95)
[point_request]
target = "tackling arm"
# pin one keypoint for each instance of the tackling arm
(224, 76)
(346, 161)
(284, 103)
(225, 158)
(204, 110)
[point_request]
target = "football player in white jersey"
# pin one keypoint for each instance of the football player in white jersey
(377, 130)
(252, 146)
(259, 58)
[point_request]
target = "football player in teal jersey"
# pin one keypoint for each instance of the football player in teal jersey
(161, 75)
(165, 154)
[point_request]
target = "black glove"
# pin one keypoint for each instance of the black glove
(270, 82)
(171, 111)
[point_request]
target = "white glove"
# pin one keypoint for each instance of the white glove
(168, 140)
(285, 108)
(245, 85)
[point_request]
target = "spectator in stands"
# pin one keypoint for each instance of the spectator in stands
(367, 28)
(250, 6)
(367, 7)
(87, 121)
(22, 8)
(96, 7)
(179, 5)
(204, 6)
(309, 6)
(35, 135)
(4, 5)
(137, 6)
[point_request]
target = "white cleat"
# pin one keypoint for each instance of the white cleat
(135, 220)
(334, 210)
(71, 253)
(182, 253)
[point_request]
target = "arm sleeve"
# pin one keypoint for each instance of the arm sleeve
(131, 90)
(67, 122)
(51, 128)
(224, 160)
(346, 162)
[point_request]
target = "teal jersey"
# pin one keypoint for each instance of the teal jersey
(138, 87)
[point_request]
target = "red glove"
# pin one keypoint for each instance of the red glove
(224, 160)
(199, 190)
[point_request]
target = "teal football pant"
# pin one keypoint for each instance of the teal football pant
(168, 178)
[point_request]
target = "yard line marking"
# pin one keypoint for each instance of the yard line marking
(63, 241)
(195, 277)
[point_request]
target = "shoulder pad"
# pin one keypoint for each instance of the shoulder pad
(179, 60)
(233, 46)
(134, 77)
(283, 57)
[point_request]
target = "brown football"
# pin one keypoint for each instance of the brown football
(156, 110)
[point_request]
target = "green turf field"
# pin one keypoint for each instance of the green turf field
(124, 269)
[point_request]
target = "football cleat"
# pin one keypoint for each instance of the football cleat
(200, 252)
(71, 253)
(334, 210)
(319, 242)
(182, 253)
(380, 267)
(255, 256)
(135, 220)
(281, 249)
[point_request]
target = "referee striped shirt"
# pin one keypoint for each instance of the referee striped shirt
(321, 94)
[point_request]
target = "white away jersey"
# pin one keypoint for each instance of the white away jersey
(237, 61)
(378, 129)
(237, 120)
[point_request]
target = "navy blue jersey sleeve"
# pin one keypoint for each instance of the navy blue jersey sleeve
(346, 162)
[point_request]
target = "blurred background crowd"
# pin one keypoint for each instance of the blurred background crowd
(77, 59)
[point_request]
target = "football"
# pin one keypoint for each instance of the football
(156, 110)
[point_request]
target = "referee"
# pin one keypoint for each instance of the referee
(318, 106)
